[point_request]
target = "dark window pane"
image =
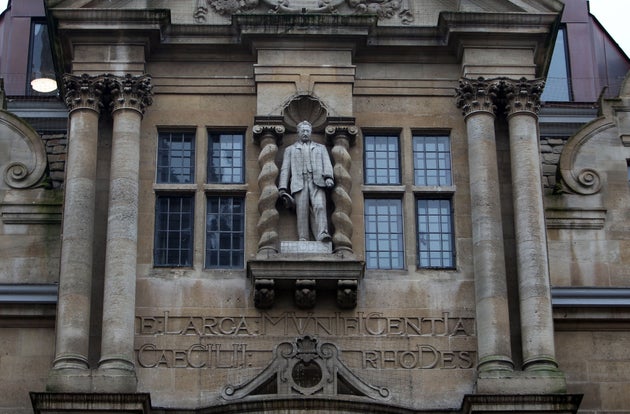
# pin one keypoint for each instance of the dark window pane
(384, 247)
(40, 58)
(557, 83)
(176, 158)
(432, 160)
(225, 237)
(173, 231)
(225, 158)
(382, 165)
(435, 234)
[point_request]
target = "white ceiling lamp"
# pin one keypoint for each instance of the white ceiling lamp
(44, 84)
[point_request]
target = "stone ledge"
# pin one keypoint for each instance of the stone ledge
(521, 382)
(572, 218)
(522, 403)
(54, 403)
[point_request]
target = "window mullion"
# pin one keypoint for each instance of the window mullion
(200, 197)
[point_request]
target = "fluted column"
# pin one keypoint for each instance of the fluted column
(523, 103)
(83, 98)
(268, 136)
(475, 98)
(343, 135)
(130, 96)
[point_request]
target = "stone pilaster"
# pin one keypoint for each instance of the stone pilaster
(268, 135)
(476, 99)
(70, 366)
(342, 133)
(523, 103)
(130, 96)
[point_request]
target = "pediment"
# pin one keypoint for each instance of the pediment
(391, 12)
(511, 6)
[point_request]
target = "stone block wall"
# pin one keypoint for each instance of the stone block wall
(56, 146)
(597, 364)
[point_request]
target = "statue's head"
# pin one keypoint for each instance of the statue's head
(304, 130)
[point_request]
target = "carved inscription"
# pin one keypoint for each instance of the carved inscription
(231, 342)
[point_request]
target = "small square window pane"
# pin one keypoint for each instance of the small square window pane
(176, 158)
(225, 158)
(225, 223)
(173, 231)
(383, 234)
(435, 233)
(381, 160)
(432, 165)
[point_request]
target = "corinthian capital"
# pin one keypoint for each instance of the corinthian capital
(130, 92)
(476, 95)
(83, 92)
(522, 95)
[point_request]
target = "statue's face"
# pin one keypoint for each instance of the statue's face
(304, 132)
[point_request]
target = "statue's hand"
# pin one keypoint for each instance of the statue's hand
(329, 182)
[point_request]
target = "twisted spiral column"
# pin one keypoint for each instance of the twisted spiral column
(268, 137)
(342, 136)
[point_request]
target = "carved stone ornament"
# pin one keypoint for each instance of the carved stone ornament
(306, 367)
(476, 95)
(23, 162)
(384, 9)
(130, 92)
(83, 91)
(576, 178)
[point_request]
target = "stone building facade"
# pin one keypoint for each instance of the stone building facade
(453, 281)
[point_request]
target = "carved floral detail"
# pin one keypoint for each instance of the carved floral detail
(475, 95)
(384, 9)
(130, 92)
(84, 91)
(522, 95)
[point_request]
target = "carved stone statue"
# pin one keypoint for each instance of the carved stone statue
(307, 166)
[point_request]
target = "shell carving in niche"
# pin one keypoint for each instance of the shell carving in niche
(305, 108)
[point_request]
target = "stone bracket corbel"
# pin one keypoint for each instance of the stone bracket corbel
(306, 279)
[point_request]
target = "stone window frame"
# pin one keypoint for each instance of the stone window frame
(201, 190)
(387, 191)
(437, 192)
(409, 193)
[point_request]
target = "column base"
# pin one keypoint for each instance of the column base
(69, 380)
(495, 364)
(521, 382)
(114, 380)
